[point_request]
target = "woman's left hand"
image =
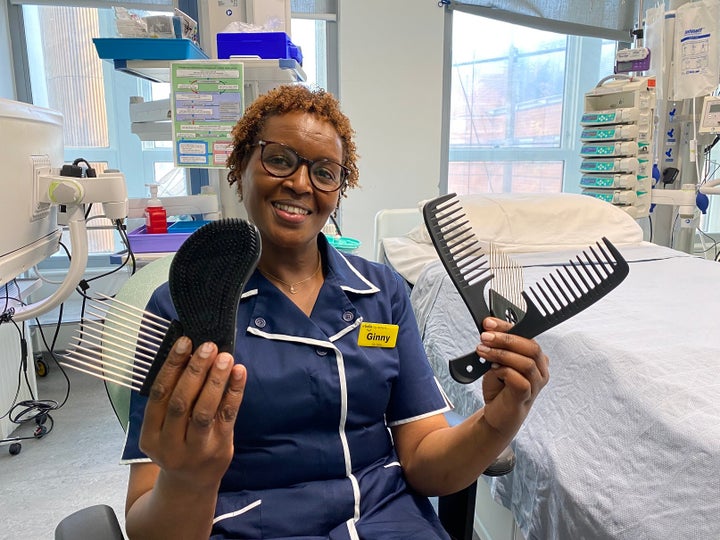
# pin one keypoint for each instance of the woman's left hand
(519, 371)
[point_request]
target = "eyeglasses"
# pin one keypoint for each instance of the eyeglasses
(281, 161)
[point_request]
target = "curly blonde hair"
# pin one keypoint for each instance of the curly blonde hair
(287, 99)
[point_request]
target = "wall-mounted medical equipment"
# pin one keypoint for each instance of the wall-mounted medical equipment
(617, 137)
(710, 116)
(37, 201)
(632, 60)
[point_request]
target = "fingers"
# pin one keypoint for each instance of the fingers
(190, 391)
(217, 404)
(516, 360)
(165, 383)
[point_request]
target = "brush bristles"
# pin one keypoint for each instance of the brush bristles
(118, 345)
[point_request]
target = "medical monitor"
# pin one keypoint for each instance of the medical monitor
(31, 138)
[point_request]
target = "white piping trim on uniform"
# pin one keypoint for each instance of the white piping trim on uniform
(251, 292)
(392, 464)
(352, 531)
(419, 417)
(347, 330)
(135, 460)
(237, 512)
(343, 435)
(373, 288)
(132, 460)
(285, 337)
(343, 412)
(356, 494)
(444, 395)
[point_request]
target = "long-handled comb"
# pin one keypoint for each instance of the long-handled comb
(563, 294)
(206, 279)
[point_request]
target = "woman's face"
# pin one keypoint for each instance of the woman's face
(290, 212)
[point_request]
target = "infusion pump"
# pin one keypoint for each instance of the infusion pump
(617, 138)
(710, 118)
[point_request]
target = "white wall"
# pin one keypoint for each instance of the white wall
(391, 89)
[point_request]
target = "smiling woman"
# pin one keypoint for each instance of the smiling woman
(329, 422)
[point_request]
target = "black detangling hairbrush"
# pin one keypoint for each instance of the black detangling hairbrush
(206, 279)
(562, 294)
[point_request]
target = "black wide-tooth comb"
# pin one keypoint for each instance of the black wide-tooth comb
(460, 253)
(206, 279)
(562, 294)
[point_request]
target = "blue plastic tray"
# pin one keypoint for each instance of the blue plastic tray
(263, 44)
(147, 49)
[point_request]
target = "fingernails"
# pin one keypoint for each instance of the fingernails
(205, 350)
(482, 348)
(486, 337)
(182, 345)
(490, 323)
(223, 361)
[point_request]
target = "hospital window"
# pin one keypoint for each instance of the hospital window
(66, 74)
(516, 99)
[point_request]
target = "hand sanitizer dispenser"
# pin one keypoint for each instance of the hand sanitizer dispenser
(155, 215)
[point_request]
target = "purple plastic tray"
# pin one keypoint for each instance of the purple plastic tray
(179, 231)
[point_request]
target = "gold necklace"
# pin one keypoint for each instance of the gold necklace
(292, 286)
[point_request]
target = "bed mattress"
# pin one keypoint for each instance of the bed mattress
(624, 441)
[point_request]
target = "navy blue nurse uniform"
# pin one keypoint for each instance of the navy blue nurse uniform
(314, 457)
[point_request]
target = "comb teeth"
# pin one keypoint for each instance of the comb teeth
(572, 288)
(206, 280)
(118, 344)
(570, 283)
(465, 255)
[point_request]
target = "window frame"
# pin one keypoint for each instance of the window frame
(579, 53)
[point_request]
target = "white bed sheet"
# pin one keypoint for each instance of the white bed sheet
(624, 441)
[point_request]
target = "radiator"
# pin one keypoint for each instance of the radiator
(10, 351)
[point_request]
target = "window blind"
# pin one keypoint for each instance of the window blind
(608, 19)
(149, 5)
(296, 6)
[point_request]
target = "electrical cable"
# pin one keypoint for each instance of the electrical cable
(714, 245)
(26, 411)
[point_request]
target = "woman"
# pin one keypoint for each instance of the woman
(309, 431)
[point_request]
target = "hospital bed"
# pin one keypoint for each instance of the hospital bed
(624, 441)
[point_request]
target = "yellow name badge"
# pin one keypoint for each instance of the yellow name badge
(378, 335)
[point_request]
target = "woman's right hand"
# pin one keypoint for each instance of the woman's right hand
(190, 415)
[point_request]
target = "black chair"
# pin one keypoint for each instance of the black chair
(99, 522)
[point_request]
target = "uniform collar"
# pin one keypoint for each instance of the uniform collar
(341, 269)
(338, 269)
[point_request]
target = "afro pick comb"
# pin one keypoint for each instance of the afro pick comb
(206, 279)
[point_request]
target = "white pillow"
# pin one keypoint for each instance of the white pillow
(529, 222)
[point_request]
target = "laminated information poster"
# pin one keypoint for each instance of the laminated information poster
(207, 100)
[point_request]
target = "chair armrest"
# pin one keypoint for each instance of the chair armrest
(97, 522)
